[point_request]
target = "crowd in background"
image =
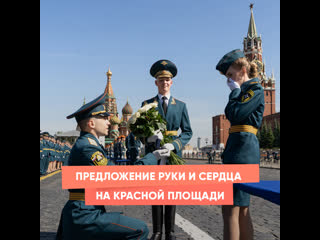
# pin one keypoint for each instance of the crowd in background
(124, 149)
(53, 153)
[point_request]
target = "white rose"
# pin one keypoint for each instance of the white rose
(154, 104)
(137, 115)
(143, 109)
(148, 107)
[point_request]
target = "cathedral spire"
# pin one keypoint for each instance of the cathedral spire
(108, 89)
(111, 105)
(252, 31)
(109, 73)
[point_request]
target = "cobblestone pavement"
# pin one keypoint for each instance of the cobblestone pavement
(265, 215)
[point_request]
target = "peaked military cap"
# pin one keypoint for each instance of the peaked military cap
(228, 59)
(94, 108)
(163, 68)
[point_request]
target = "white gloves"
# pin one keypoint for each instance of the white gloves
(162, 154)
(168, 146)
(232, 84)
(153, 138)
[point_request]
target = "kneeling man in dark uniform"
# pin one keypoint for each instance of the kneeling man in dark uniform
(85, 222)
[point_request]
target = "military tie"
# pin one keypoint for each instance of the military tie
(164, 105)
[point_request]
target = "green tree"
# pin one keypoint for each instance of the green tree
(269, 137)
(262, 134)
(258, 135)
(276, 133)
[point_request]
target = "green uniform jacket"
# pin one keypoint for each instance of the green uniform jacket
(87, 222)
(67, 153)
(42, 158)
(133, 146)
(176, 117)
(245, 107)
(51, 150)
(46, 153)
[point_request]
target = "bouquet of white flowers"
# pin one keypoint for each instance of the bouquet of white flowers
(145, 122)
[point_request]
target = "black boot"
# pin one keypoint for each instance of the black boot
(157, 221)
(169, 219)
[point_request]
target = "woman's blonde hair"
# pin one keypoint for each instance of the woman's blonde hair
(252, 68)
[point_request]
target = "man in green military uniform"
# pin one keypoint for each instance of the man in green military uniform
(127, 149)
(42, 156)
(46, 152)
(59, 155)
(63, 153)
(116, 149)
(50, 154)
(176, 114)
(122, 148)
(67, 153)
(84, 222)
(134, 145)
(54, 154)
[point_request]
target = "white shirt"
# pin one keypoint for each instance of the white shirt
(167, 100)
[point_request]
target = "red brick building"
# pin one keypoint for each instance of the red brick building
(252, 48)
(220, 130)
